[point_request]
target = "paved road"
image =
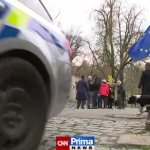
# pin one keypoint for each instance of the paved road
(105, 125)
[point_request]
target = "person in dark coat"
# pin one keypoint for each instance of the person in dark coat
(110, 98)
(123, 98)
(90, 92)
(120, 91)
(96, 86)
(144, 83)
(82, 92)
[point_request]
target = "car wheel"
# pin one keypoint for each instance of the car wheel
(23, 108)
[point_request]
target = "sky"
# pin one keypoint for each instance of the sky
(75, 13)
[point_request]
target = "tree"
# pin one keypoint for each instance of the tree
(118, 27)
(99, 66)
(76, 42)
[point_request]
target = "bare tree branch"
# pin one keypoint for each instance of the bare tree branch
(97, 64)
(117, 28)
(57, 15)
(76, 41)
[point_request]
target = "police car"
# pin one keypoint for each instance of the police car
(35, 72)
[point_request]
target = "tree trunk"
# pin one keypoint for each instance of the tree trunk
(113, 72)
(121, 76)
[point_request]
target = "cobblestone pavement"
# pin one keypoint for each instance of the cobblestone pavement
(105, 125)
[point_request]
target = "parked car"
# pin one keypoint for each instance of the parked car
(35, 72)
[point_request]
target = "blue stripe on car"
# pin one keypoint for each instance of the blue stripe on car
(9, 32)
(44, 33)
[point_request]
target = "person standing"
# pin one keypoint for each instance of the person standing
(103, 92)
(90, 92)
(96, 85)
(120, 91)
(82, 92)
(123, 98)
(110, 98)
(144, 83)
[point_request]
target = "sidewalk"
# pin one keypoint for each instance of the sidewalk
(111, 128)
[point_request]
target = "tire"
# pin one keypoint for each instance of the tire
(23, 109)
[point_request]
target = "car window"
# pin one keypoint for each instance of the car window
(37, 7)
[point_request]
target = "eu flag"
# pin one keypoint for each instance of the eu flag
(141, 49)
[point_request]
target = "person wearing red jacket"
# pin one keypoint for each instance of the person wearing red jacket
(103, 92)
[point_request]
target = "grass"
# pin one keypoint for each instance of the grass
(146, 148)
(142, 132)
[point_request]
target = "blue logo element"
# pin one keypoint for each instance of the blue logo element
(82, 141)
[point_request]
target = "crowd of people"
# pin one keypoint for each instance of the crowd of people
(98, 93)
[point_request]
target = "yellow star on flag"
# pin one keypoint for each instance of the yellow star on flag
(146, 50)
(141, 49)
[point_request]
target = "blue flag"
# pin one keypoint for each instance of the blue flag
(141, 49)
